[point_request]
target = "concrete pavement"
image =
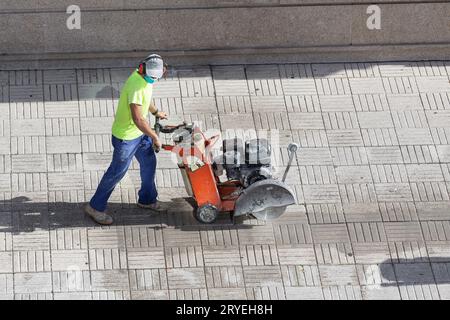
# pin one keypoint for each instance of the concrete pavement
(372, 177)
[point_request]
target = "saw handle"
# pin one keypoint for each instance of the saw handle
(165, 129)
(292, 149)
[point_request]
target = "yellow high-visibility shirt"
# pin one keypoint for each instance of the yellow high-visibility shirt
(135, 90)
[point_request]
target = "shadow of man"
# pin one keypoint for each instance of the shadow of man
(22, 214)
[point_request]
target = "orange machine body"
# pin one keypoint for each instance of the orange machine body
(205, 186)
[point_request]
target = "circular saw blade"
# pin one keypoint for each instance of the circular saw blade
(269, 214)
(265, 200)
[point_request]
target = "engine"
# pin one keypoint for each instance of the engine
(249, 162)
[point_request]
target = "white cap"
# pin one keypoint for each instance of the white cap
(154, 66)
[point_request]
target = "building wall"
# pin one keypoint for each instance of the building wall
(239, 31)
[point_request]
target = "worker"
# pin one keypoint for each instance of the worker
(132, 136)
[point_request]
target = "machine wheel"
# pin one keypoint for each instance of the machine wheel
(206, 214)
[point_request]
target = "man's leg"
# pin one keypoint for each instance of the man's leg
(122, 156)
(147, 162)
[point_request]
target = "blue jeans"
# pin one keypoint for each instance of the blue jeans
(124, 151)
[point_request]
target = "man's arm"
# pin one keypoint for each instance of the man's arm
(143, 124)
(152, 108)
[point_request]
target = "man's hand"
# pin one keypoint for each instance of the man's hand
(154, 111)
(161, 115)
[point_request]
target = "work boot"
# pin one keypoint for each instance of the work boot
(157, 206)
(99, 217)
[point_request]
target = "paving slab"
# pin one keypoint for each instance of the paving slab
(371, 176)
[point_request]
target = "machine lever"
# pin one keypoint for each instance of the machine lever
(292, 149)
(157, 129)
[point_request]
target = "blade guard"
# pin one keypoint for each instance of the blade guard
(265, 199)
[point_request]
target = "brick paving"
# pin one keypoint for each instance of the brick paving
(372, 178)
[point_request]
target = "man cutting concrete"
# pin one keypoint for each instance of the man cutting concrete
(132, 136)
